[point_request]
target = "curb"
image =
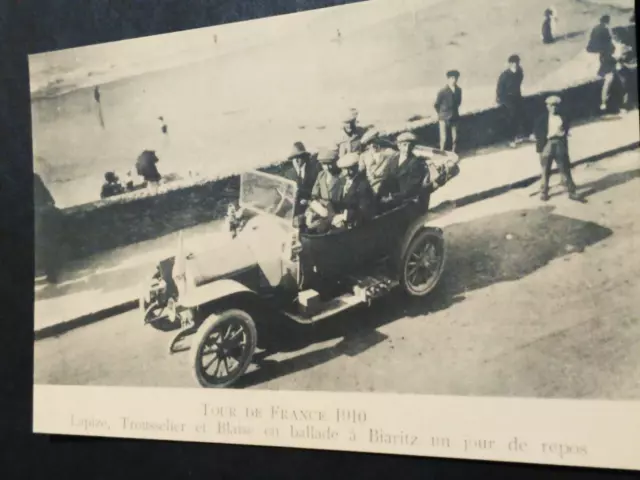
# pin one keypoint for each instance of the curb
(128, 305)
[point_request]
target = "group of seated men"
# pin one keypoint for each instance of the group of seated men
(344, 186)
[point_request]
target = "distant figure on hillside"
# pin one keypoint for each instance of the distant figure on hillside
(164, 128)
(551, 132)
(96, 97)
(547, 26)
(111, 186)
(447, 106)
(147, 169)
(509, 97)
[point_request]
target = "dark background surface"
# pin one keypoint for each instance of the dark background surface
(31, 26)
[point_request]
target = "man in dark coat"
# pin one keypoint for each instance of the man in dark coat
(547, 27)
(601, 42)
(357, 204)
(304, 170)
(410, 176)
(509, 97)
(447, 106)
(47, 230)
(551, 132)
(146, 167)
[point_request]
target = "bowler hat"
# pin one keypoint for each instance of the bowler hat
(298, 150)
(327, 155)
(349, 160)
(553, 100)
(406, 137)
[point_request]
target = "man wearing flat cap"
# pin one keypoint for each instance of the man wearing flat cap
(352, 133)
(358, 202)
(509, 97)
(326, 192)
(411, 171)
(378, 162)
(551, 132)
(447, 106)
(303, 170)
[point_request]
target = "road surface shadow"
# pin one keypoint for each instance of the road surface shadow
(569, 35)
(499, 248)
(610, 181)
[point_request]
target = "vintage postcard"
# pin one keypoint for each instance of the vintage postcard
(404, 227)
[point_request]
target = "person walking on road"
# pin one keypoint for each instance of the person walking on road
(509, 97)
(447, 106)
(547, 27)
(551, 132)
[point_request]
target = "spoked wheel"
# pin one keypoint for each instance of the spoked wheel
(423, 262)
(223, 347)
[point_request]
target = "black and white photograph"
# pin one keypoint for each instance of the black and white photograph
(392, 196)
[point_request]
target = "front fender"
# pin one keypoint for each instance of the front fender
(197, 296)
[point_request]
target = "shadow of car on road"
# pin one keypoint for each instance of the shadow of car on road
(498, 248)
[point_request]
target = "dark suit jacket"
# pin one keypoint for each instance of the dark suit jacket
(448, 103)
(358, 201)
(321, 191)
(305, 184)
(509, 88)
(541, 130)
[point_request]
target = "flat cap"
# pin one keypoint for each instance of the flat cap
(406, 137)
(349, 160)
(351, 115)
(369, 136)
(553, 100)
(327, 155)
(453, 73)
(514, 58)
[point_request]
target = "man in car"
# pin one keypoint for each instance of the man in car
(325, 194)
(410, 172)
(378, 162)
(357, 204)
(304, 171)
(352, 134)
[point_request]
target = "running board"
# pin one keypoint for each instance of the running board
(365, 290)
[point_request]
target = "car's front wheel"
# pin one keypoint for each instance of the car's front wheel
(423, 262)
(222, 348)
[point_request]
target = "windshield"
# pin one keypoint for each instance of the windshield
(266, 193)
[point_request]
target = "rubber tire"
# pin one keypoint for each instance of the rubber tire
(214, 321)
(418, 238)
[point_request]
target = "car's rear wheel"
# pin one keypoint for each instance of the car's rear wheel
(222, 348)
(423, 262)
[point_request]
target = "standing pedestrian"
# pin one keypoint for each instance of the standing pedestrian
(509, 97)
(96, 97)
(547, 27)
(551, 132)
(447, 106)
(147, 169)
(601, 43)
(351, 133)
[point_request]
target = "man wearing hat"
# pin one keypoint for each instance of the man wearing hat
(411, 171)
(352, 133)
(509, 97)
(304, 171)
(358, 201)
(378, 162)
(326, 192)
(551, 132)
(447, 106)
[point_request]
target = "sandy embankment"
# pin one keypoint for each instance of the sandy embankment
(230, 112)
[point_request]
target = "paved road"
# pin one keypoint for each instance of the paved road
(537, 300)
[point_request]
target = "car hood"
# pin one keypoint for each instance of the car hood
(229, 260)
